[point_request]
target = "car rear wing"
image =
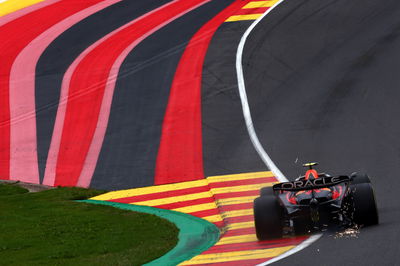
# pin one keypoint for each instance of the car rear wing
(311, 184)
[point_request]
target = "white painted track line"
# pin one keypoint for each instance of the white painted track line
(245, 105)
(252, 133)
(292, 251)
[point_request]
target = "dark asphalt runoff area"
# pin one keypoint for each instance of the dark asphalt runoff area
(227, 148)
(323, 84)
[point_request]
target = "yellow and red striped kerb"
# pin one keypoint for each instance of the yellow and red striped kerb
(226, 201)
(252, 10)
(9, 6)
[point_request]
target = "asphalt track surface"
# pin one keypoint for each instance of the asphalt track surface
(321, 78)
(133, 149)
(157, 56)
(56, 59)
(226, 144)
(322, 83)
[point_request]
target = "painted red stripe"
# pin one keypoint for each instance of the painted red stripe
(180, 155)
(22, 95)
(186, 191)
(239, 219)
(238, 263)
(235, 207)
(160, 195)
(219, 224)
(185, 203)
(237, 194)
(247, 11)
(239, 232)
(205, 213)
(254, 245)
(94, 151)
(182, 192)
(14, 36)
(251, 181)
(199, 214)
(86, 89)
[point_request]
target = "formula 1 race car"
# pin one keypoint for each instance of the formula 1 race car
(312, 201)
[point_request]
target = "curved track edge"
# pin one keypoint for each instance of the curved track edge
(195, 235)
(252, 133)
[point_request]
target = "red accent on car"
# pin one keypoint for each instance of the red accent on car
(291, 198)
(336, 194)
(311, 172)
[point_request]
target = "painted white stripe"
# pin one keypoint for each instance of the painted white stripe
(292, 251)
(245, 105)
(252, 133)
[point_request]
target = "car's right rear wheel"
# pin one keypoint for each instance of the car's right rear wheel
(365, 211)
(268, 218)
(360, 178)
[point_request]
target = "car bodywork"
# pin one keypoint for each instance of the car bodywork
(314, 201)
(310, 197)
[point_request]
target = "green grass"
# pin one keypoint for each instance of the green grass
(49, 228)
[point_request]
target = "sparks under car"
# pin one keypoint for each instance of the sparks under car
(313, 200)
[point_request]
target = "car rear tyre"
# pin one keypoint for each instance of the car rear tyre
(360, 178)
(266, 191)
(268, 218)
(365, 211)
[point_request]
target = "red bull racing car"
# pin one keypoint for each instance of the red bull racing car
(312, 201)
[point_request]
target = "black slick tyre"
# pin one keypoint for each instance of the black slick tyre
(266, 191)
(365, 212)
(268, 218)
(360, 178)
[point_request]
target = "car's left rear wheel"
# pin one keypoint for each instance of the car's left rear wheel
(266, 191)
(268, 218)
